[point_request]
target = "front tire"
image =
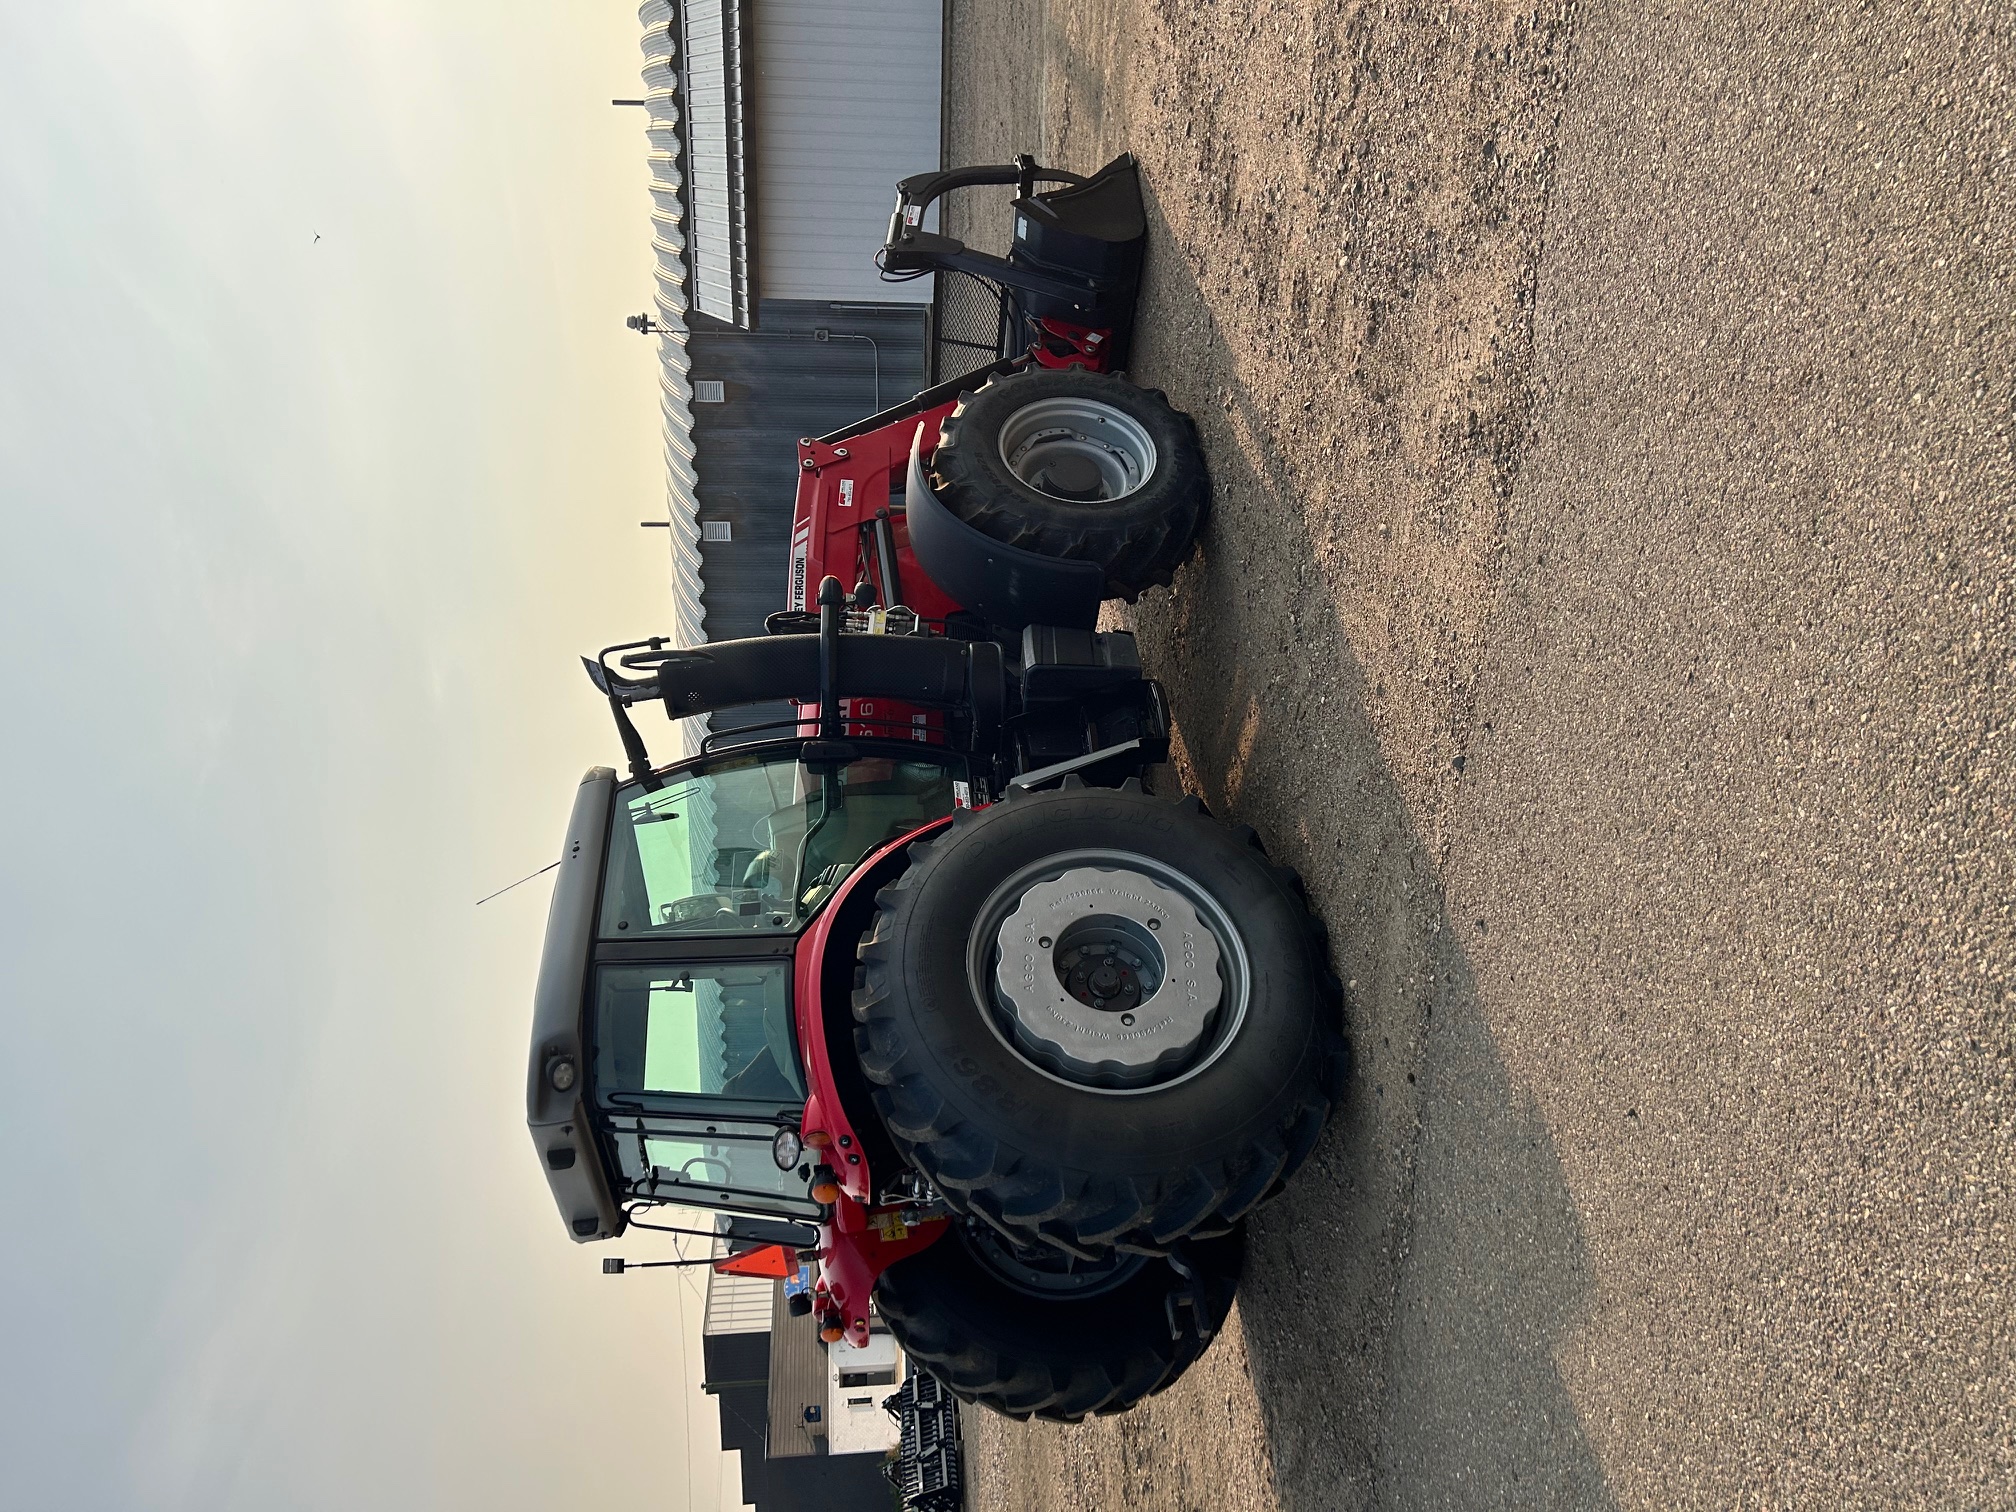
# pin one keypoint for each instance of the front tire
(1170, 1106)
(1025, 1334)
(1077, 465)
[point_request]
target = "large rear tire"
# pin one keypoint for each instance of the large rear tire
(1079, 465)
(1028, 1336)
(1167, 1108)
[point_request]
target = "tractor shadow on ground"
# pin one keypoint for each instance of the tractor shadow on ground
(1407, 1298)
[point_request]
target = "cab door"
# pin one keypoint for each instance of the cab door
(695, 1069)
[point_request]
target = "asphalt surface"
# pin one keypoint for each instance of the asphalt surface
(1609, 607)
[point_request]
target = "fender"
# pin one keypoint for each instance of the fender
(859, 1240)
(826, 1127)
(1003, 584)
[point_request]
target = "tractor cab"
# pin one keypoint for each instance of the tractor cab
(666, 1064)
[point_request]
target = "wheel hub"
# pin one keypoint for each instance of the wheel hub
(1108, 978)
(1082, 451)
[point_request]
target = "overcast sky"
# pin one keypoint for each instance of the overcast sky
(301, 542)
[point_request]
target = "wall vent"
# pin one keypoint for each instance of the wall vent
(717, 530)
(709, 391)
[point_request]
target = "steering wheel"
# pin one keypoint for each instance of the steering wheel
(686, 1170)
(694, 907)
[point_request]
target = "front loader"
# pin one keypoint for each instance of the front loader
(928, 980)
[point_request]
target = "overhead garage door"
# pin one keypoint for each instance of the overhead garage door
(847, 96)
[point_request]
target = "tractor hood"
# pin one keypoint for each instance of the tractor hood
(557, 1079)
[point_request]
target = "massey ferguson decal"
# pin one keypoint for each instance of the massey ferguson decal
(801, 544)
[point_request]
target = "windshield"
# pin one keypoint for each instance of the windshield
(755, 843)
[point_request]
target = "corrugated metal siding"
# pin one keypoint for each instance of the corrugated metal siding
(797, 1381)
(781, 383)
(737, 461)
(845, 100)
(675, 396)
(738, 1304)
(713, 80)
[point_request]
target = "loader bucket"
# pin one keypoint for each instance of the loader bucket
(1093, 231)
(1096, 228)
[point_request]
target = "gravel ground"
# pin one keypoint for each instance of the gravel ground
(1608, 607)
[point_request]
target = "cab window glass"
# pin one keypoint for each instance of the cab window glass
(685, 858)
(756, 843)
(711, 1165)
(719, 1029)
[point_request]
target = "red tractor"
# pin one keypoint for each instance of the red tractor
(926, 980)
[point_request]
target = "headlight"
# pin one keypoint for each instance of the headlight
(786, 1148)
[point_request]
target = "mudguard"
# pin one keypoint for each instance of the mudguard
(859, 1239)
(1004, 585)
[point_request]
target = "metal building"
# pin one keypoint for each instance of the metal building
(777, 130)
(764, 1369)
(809, 368)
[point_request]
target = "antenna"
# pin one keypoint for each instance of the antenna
(519, 883)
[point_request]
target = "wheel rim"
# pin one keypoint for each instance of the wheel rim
(1079, 451)
(1109, 971)
(1040, 1271)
